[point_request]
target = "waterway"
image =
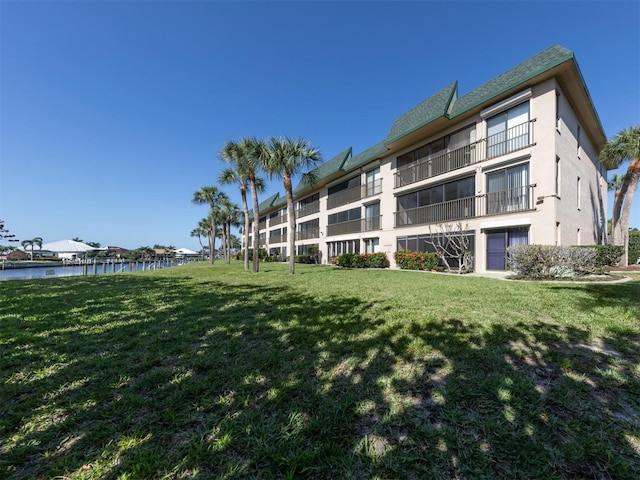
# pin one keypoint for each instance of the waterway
(55, 271)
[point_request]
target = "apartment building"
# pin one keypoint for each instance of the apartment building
(512, 162)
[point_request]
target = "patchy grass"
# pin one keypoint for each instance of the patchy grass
(211, 372)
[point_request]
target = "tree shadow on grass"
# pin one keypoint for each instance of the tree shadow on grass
(178, 378)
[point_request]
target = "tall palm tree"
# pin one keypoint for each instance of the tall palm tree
(238, 157)
(34, 241)
(286, 158)
(212, 196)
(624, 146)
(199, 232)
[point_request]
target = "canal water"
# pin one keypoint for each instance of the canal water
(76, 270)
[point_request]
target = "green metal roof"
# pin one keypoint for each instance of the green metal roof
(327, 169)
(265, 204)
(369, 154)
(528, 69)
(432, 108)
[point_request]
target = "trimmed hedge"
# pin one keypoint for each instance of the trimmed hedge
(366, 260)
(416, 260)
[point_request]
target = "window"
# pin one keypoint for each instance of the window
(344, 216)
(422, 243)
(346, 246)
(578, 196)
(508, 131)
(374, 182)
(372, 245)
(307, 249)
(557, 190)
(508, 190)
(558, 111)
(579, 132)
(372, 216)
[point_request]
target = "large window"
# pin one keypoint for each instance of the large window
(374, 182)
(424, 243)
(346, 246)
(345, 216)
(508, 190)
(372, 216)
(508, 131)
(440, 203)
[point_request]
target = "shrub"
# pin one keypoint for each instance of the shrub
(548, 261)
(303, 259)
(634, 246)
(366, 260)
(416, 260)
(606, 255)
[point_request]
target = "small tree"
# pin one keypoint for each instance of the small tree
(452, 242)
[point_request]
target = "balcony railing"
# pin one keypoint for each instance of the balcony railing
(344, 196)
(262, 242)
(354, 226)
(309, 233)
(277, 239)
(308, 209)
(278, 220)
(510, 140)
(262, 225)
(512, 200)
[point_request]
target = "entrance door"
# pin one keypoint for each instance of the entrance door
(497, 242)
(496, 250)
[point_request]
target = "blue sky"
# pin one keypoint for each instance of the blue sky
(112, 113)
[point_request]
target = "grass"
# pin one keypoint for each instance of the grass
(211, 372)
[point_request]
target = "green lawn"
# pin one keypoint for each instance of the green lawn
(211, 372)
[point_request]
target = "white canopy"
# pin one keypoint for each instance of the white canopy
(68, 246)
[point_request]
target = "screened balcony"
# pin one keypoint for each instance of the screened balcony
(512, 200)
(278, 220)
(501, 143)
(308, 208)
(308, 233)
(354, 226)
(277, 239)
(343, 197)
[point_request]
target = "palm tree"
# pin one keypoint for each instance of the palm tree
(200, 232)
(212, 196)
(285, 158)
(624, 146)
(34, 241)
(237, 155)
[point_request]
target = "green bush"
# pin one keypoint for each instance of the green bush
(606, 255)
(303, 259)
(416, 260)
(366, 260)
(548, 261)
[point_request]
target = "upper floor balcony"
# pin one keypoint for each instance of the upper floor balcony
(308, 208)
(354, 226)
(308, 233)
(353, 194)
(506, 141)
(277, 239)
(273, 221)
(513, 200)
